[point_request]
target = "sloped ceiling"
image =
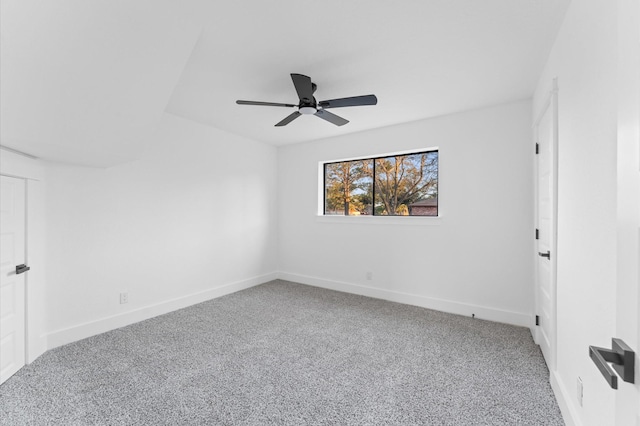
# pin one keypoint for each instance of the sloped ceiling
(86, 82)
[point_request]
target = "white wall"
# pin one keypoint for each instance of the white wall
(584, 60)
(193, 219)
(476, 258)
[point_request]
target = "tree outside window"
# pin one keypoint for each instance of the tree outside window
(395, 185)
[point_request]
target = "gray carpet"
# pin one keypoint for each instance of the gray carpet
(288, 354)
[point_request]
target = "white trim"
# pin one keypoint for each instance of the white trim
(321, 164)
(551, 104)
(535, 329)
(19, 165)
(88, 329)
(450, 306)
(15, 151)
(19, 328)
(554, 245)
(382, 155)
(569, 414)
(381, 220)
(18, 176)
(28, 305)
(35, 284)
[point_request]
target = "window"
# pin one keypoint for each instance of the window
(394, 185)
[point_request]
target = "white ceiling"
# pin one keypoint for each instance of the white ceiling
(87, 82)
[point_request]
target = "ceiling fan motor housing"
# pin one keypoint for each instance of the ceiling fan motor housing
(308, 107)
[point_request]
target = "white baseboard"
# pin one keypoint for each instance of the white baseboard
(88, 329)
(453, 307)
(562, 396)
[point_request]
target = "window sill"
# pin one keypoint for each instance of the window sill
(382, 220)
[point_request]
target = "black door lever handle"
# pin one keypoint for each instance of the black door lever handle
(547, 254)
(20, 269)
(622, 358)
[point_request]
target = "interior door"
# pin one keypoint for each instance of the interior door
(545, 132)
(12, 285)
(628, 208)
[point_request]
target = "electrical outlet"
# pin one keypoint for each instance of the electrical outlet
(579, 391)
(369, 276)
(124, 298)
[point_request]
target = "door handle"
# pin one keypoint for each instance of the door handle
(547, 254)
(20, 269)
(622, 358)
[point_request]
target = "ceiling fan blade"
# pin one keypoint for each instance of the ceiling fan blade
(264, 103)
(331, 118)
(303, 86)
(347, 102)
(288, 119)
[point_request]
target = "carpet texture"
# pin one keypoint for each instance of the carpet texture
(288, 354)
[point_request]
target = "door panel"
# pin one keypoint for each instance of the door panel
(545, 267)
(12, 286)
(628, 207)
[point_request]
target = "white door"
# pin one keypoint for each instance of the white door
(545, 131)
(628, 208)
(12, 285)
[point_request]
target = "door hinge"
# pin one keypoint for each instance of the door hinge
(537, 319)
(537, 234)
(537, 148)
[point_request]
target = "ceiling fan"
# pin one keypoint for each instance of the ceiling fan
(309, 106)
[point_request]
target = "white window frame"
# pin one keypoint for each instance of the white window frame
(372, 220)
